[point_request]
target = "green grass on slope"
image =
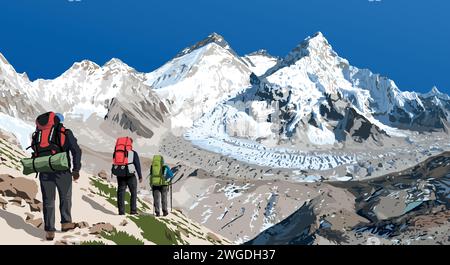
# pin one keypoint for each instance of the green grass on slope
(122, 238)
(153, 229)
(156, 231)
(109, 192)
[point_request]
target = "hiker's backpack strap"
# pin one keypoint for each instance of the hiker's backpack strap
(35, 142)
(58, 136)
(62, 136)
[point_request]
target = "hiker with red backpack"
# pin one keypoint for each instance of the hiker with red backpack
(160, 181)
(51, 145)
(126, 165)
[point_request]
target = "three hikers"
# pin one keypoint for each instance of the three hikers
(56, 159)
(51, 145)
(126, 164)
(160, 181)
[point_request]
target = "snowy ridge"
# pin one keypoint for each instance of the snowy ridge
(14, 98)
(196, 82)
(260, 61)
(434, 92)
(86, 88)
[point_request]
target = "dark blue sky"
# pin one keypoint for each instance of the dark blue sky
(408, 41)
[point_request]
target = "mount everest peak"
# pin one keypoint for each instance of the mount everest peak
(211, 38)
(199, 78)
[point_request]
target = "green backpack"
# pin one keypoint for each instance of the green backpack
(156, 172)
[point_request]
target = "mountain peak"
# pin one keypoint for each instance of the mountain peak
(434, 92)
(315, 45)
(115, 61)
(212, 38)
(85, 65)
(215, 37)
(3, 59)
(318, 36)
(261, 52)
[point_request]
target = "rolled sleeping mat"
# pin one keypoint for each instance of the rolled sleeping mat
(45, 164)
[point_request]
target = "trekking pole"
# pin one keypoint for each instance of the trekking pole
(171, 201)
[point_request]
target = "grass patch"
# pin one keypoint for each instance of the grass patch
(155, 231)
(122, 238)
(144, 206)
(109, 192)
(9, 155)
(93, 243)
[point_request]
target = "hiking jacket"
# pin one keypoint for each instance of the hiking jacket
(168, 174)
(137, 164)
(75, 151)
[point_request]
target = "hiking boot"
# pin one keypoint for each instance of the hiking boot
(157, 214)
(165, 213)
(68, 226)
(134, 213)
(49, 235)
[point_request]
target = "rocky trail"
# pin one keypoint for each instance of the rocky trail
(93, 209)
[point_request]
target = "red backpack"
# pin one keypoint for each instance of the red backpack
(49, 137)
(122, 152)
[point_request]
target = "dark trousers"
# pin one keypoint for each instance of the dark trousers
(160, 197)
(122, 184)
(50, 182)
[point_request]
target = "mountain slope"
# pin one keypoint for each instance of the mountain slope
(313, 96)
(14, 88)
(90, 86)
(114, 92)
(260, 61)
(94, 209)
(199, 78)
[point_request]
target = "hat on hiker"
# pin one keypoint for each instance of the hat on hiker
(60, 117)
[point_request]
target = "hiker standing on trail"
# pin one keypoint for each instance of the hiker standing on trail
(51, 139)
(126, 165)
(160, 181)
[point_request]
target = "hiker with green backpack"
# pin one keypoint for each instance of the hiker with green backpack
(160, 181)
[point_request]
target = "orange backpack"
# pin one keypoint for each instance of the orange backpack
(123, 157)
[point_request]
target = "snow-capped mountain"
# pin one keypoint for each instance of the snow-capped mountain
(138, 109)
(114, 92)
(313, 96)
(199, 78)
(14, 88)
(86, 88)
